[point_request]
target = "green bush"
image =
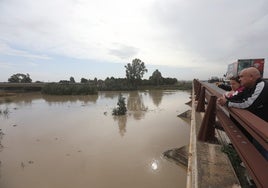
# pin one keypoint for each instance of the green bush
(68, 89)
(121, 109)
(116, 84)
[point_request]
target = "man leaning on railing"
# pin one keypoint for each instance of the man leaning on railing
(254, 98)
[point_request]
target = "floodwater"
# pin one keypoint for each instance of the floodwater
(75, 141)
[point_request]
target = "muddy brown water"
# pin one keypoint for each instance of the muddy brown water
(74, 141)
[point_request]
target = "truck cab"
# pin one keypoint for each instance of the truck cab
(235, 68)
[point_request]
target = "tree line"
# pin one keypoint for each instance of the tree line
(20, 78)
(134, 74)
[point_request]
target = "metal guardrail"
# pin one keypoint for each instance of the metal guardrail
(257, 128)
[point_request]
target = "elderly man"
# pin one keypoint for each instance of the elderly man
(255, 95)
(254, 98)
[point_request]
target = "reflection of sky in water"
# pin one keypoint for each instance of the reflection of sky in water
(154, 165)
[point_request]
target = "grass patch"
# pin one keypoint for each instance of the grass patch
(68, 89)
(236, 163)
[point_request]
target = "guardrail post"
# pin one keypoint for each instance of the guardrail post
(201, 100)
(196, 84)
(198, 90)
(207, 130)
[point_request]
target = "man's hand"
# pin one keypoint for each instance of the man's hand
(222, 101)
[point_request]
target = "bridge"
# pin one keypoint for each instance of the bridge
(208, 166)
(211, 124)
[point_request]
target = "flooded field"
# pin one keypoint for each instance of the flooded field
(74, 141)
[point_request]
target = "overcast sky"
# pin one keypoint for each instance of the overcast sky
(53, 40)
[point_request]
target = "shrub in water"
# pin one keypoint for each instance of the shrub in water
(121, 109)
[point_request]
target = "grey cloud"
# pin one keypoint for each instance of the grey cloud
(215, 30)
(124, 52)
(33, 23)
(7, 50)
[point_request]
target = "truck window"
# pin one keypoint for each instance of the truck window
(242, 65)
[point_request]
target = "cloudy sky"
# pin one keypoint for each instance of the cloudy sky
(55, 39)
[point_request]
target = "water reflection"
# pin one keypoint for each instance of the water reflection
(136, 105)
(1, 148)
(88, 144)
(156, 96)
(154, 165)
(21, 99)
(122, 122)
(73, 99)
(108, 94)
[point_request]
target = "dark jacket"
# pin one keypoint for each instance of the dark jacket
(254, 99)
(225, 87)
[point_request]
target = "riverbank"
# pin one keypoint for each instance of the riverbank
(79, 88)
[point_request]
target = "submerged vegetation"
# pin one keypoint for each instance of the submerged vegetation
(121, 109)
(68, 89)
(1, 137)
(4, 112)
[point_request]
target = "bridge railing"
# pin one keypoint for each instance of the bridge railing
(243, 128)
